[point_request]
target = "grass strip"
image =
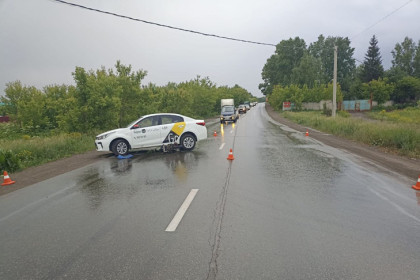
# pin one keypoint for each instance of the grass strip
(402, 138)
(33, 151)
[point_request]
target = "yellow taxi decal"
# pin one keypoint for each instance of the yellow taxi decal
(178, 128)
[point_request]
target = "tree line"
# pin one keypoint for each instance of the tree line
(300, 73)
(108, 98)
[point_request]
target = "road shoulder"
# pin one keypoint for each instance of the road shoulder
(401, 165)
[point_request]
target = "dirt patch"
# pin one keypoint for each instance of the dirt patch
(402, 165)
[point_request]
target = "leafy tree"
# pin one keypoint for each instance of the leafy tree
(416, 61)
(403, 56)
(55, 104)
(298, 95)
(31, 113)
(130, 96)
(14, 92)
(406, 90)
(278, 68)
(372, 65)
(323, 49)
(96, 103)
(380, 90)
(308, 72)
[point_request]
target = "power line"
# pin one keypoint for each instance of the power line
(164, 25)
(382, 19)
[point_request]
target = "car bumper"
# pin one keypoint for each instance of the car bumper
(227, 118)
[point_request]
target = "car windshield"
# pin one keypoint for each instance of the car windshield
(228, 109)
(134, 122)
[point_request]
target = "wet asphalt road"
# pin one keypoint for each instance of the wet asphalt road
(286, 207)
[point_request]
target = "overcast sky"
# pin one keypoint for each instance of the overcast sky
(42, 41)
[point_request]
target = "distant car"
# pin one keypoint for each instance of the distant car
(247, 107)
(242, 109)
(228, 114)
(155, 130)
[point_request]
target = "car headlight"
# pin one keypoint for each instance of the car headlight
(103, 136)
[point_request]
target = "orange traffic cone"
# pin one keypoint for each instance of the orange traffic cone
(7, 180)
(417, 186)
(230, 156)
(307, 133)
(215, 133)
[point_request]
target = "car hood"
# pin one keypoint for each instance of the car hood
(112, 131)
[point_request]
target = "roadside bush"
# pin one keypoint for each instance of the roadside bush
(344, 114)
(326, 111)
(8, 161)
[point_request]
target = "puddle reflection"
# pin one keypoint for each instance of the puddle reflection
(115, 179)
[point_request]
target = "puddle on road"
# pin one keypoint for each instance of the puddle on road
(114, 179)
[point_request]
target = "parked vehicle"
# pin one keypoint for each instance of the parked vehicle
(227, 102)
(242, 109)
(153, 131)
(228, 112)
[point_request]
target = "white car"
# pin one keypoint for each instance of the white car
(151, 131)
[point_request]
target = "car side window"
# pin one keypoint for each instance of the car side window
(149, 121)
(177, 119)
(166, 119)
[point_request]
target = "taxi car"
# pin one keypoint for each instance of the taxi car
(153, 131)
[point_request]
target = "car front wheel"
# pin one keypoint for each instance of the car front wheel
(187, 142)
(120, 147)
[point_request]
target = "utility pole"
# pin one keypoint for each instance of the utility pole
(334, 105)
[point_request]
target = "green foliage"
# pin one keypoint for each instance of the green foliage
(403, 56)
(108, 98)
(8, 161)
(326, 111)
(403, 138)
(379, 89)
(372, 68)
(407, 90)
(21, 153)
(298, 95)
(323, 49)
(279, 67)
(308, 72)
(409, 115)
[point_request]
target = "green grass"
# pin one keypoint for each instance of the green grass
(36, 150)
(400, 136)
(409, 116)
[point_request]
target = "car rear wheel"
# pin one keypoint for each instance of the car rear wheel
(120, 147)
(187, 142)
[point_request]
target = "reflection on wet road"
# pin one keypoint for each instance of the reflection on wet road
(287, 207)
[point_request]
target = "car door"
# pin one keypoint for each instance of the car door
(146, 132)
(172, 127)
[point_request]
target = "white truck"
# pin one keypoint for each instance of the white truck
(228, 112)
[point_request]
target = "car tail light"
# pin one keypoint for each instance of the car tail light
(201, 123)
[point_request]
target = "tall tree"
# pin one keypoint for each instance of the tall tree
(416, 62)
(278, 68)
(403, 55)
(308, 72)
(372, 66)
(324, 50)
